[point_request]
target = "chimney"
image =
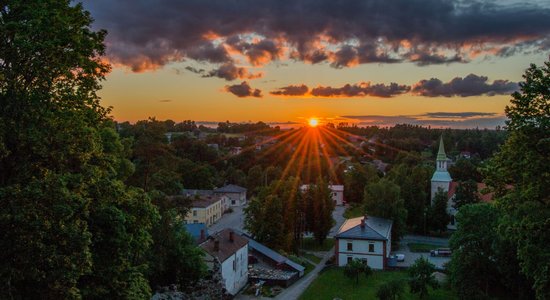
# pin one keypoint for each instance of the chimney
(203, 235)
(231, 237)
(216, 245)
(363, 223)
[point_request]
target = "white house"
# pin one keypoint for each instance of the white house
(236, 194)
(230, 250)
(366, 238)
(337, 192)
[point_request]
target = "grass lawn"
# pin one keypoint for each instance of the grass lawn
(333, 284)
(354, 211)
(310, 244)
(301, 261)
(312, 257)
(420, 247)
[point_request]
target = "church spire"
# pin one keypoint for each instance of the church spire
(441, 155)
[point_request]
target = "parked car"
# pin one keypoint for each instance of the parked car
(441, 252)
(400, 257)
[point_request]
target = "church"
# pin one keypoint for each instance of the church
(441, 179)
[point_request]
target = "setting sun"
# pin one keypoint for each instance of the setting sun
(313, 122)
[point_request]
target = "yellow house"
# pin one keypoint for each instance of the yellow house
(206, 209)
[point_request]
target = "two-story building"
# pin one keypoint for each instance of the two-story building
(205, 209)
(337, 192)
(366, 238)
(236, 194)
(230, 250)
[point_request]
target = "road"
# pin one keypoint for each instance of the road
(234, 220)
(338, 216)
(410, 257)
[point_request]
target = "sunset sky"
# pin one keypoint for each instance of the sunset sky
(372, 62)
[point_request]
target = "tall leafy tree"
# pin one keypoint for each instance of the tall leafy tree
(69, 227)
(323, 207)
(437, 215)
(421, 277)
(466, 193)
(353, 269)
(383, 199)
(520, 175)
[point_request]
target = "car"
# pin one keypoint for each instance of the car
(441, 252)
(400, 257)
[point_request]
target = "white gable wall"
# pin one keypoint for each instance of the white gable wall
(236, 277)
(375, 259)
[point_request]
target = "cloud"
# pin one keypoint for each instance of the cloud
(243, 90)
(149, 35)
(434, 119)
(291, 90)
(226, 71)
(361, 89)
(471, 85)
(165, 100)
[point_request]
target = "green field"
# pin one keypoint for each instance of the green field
(312, 257)
(422, 248)
(333, 284)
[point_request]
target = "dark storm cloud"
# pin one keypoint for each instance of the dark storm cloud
(149, 34)
(243, 90)
(291, 90)
(362, 89)
(226, 71)
(471, 85)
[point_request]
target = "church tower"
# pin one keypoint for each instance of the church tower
(441, 178)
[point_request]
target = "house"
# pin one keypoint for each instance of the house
(205, 209)
(337, 192)
(451, 194)
(267, 265)
(366, 238)
(230, 250)
(198, 231)
(235, 150)
(207, 193)
(235, 194)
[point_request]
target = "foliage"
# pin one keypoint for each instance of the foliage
(466, 193)
(520, 175)
(382, 199)
(421, 277)
(473, 268)
(354, 268)
(391, 290)
(355, 179)
(437, 213)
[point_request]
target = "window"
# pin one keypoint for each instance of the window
(234, 265)
(350, 259)
(452, 220)
(350, 246)
(371, 247)
(232, 202)
(194, 213)
(195, 221)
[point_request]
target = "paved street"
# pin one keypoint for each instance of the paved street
(234, 220)
(338, 216)
(410, 257)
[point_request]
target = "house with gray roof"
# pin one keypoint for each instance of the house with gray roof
(235, 193)
(366, 238)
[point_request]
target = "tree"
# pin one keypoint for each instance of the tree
(323, 206)
(520, 176)
(355, 180)
(421, 277)
(473, 267)
(382, 199)
(437, 214)
(391, 290)
(466, 193)
(355, 267)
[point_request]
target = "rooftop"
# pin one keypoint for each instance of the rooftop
(230, 188)
(375, 229)
(226, 246)
(443, 176)
(204, 201)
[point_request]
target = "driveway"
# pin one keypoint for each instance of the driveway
(410, 257)
(234, 220)
(338, 216)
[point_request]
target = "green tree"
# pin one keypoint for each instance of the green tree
(392, 290)
(466, 193)
(355, 180)
(69, 227)
(520, 175)
(354, 268)
(473, 268)
(382, 199)
(421, 277)
(437, 213)
(323, 205)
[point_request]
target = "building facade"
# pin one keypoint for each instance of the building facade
(206, 209)
(234, 193)
(364, 238)
(230, 250)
